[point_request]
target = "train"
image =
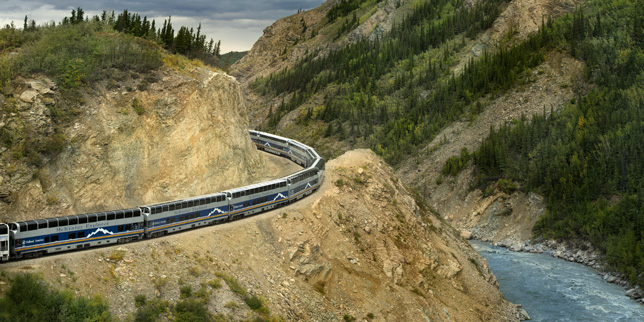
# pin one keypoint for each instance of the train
(39, 237)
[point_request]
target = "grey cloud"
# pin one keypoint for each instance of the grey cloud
(238, 22)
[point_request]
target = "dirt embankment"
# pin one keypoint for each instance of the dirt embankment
(360, 246)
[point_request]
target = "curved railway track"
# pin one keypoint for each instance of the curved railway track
(35, 238)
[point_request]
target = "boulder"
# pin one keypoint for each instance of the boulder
(28, 96)
(466, 234)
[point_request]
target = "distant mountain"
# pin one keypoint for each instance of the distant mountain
(232, 57)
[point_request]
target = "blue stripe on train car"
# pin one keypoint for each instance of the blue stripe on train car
(37, 243)
(273, 199)
(180, 220)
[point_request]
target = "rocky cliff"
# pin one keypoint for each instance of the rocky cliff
(361, 247)
(185, 134)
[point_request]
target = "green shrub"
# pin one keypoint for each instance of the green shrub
(185, 291)
(140, 300)
(454, 165)
(232, 283)
(29, 298)
(253, 302)
(215, 283)
(506, 186)
(190, 310)
(138, 106)
(348, 318)
(151, 310)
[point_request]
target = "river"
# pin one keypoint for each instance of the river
(552, 289)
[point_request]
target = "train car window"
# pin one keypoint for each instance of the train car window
(184, 205)
(191, 203)
(3, 230)
(32, 225)
(120, 215)
(128, 214)
(82, 219)
(73, 221)
(80, 234)
(53, 222)
(42, 224)
(202, 202)
(100, 217)
(111, 216)
(62, 221)
(54, 238)
(46, 239)
(120, 228)
(137, 212)
(92, 218)
(72, 236)
(171, 207)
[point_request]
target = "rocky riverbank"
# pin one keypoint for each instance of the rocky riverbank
(579, 252)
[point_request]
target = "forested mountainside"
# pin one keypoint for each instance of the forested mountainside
(395, 91)
(588, 158)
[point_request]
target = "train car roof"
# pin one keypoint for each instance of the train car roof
(182, 200)
(74, 216)
(256, 185)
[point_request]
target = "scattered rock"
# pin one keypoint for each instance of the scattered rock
(521, 314)
(28, 96)
(466, 234)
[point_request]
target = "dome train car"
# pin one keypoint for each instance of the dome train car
(46, 236)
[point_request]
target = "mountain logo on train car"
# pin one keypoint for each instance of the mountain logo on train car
(279, 196)
(100, 230)
(216, 210)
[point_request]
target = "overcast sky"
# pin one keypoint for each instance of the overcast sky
(237, 23)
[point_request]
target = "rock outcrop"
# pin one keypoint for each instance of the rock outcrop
(187, 136)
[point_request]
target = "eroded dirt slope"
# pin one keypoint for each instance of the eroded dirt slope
(359, 245)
